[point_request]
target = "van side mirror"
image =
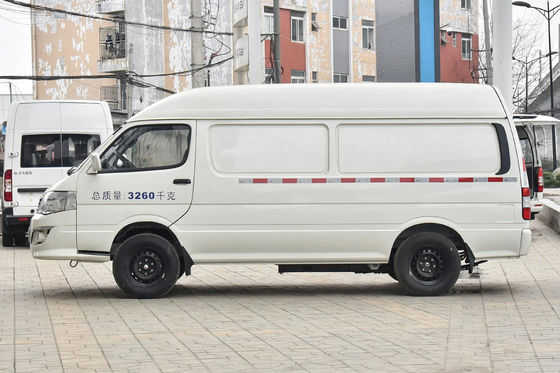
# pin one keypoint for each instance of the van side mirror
(95, 163)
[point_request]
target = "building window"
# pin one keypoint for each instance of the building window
(454, 39)
(298, 76)
(368, 40)
(368, 78)
(297, 26)
(314, 22)
(465, 4)
(268, 21)
(340, 78)
(466, 47)
(340, 23)
(314, 77)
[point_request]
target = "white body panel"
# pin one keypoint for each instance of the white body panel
(286, 185)
(49, 118)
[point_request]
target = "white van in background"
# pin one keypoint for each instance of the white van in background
(526, 125)
(43, 140)
(318, 177)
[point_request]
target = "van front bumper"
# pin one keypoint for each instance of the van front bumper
(53, 237)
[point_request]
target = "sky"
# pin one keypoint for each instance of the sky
(15, 47)
(15, 38)
(532, 17)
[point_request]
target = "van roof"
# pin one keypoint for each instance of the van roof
(356, 100)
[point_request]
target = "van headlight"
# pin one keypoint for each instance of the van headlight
(56, 202)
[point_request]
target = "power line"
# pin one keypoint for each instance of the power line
(71, 13)
(111, 76)
(59, 77)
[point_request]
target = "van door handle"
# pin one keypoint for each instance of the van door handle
(182, 181)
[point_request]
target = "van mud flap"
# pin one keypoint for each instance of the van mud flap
(470, 260)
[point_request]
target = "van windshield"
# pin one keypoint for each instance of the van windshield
(56, 150)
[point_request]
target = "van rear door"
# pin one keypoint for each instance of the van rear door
(36, 154)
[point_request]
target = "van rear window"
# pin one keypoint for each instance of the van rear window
(419, 148)
(56, 150)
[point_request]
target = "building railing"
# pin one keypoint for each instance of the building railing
(109, 6)
(112, 95)
(112, 43)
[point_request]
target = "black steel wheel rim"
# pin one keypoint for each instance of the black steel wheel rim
(146, 267)
(427, 264)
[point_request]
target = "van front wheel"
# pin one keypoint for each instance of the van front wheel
(146, 266)
(427, 263)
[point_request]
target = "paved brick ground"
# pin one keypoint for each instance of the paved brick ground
(249, 318)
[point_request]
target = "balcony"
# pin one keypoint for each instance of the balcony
(112, 50)
(110, 6)
(114, 96)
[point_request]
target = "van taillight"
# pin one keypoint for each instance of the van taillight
(526, 203)
(8, 186)
(540, 180)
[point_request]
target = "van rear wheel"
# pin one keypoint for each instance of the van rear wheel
(146, 266)
(427, 263)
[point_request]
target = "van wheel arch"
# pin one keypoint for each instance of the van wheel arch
(158, 229)
(444, 230)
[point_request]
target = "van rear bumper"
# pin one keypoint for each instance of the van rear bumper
(16, 224)
(525, 242)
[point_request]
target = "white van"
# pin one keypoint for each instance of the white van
(43, 140)
(334, 177)
(527, 126)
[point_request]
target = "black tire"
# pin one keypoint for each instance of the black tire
(146, 266)
(427, 263)
(7, 236)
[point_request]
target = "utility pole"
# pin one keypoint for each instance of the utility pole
(197, 47)
(277, 63)
(502, 49)
(488, 43)
(128, 84)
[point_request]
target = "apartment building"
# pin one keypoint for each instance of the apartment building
(459, 41)
(323, 41)
(146, 62)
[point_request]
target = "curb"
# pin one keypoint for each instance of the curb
(550, 214)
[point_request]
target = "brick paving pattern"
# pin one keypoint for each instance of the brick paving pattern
(249, 318)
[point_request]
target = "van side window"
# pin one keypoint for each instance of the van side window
(148, 147)
(40, 151)
(76, 148)
(55, 150)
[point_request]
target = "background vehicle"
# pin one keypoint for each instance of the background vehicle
(527, 126)
(43, 140)
(326, 177)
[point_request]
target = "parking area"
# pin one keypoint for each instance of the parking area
(250, 318)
